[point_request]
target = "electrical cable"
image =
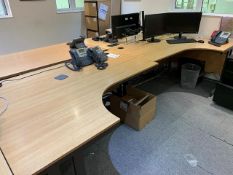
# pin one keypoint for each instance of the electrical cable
(5, 105)
(17, 79)
(5, 101)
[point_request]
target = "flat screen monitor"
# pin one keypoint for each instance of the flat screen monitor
(187, 22)
(153, 26)
(125, 25)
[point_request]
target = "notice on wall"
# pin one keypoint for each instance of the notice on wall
(103, 11)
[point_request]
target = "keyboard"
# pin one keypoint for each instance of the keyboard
(181, 41)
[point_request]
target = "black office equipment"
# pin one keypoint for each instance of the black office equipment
(80, 58)
(181, 41)
(153, 26)
(77, 43)
(188, 22)
(219, 38)
(125, 25)
(201, 41)
(227, 73)
(142, 19)
(223, 95)
(99, 57)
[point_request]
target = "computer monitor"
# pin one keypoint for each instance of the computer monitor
(153, 26)
(125, 25)
(187, 22)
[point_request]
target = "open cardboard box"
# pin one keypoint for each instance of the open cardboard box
(136, 109)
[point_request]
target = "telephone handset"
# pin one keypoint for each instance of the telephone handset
(99, 57)
(80, 58)
(77, 43)
(219, 38)
(83, 56)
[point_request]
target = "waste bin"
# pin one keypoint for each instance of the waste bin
(189, 75)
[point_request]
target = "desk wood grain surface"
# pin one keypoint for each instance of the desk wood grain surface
(47, 119)
(4, 169)
(16, 63)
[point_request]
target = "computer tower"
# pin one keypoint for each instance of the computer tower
(227, 74)
(223, 95)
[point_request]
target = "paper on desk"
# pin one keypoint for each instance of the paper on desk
(103, 11)
(114, 56)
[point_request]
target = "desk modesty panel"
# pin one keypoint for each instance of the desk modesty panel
(48, 119)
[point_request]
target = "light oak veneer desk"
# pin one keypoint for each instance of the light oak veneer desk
(48, 119)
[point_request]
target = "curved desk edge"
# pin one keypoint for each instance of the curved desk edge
(31, 60)
(4, 168)
(130, 67)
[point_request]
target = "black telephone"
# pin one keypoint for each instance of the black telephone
(99, 57)
(77, 43)
(83, 56)
(79, 55)
(80, 58)
(219, 38)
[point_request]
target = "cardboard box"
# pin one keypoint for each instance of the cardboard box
(91, 23)
(91, 34)
(90, 9)
(136, 109)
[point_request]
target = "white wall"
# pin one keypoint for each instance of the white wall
(208, 23)
(149, 6)
(36, 24)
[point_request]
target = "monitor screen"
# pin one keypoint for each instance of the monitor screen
(154, 25)
(188, 22)
(122, 24)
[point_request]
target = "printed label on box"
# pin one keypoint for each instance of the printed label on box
(124, 106)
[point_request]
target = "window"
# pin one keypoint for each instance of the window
(5, 9)
(188, 5)
(69, 5)
(206, 6)
(218, 6)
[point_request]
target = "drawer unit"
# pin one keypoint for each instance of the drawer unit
(91, 23)
(227, 77)
(91, 9)
(229, 64)
(92, 34)
(224, 95)
(227, 74)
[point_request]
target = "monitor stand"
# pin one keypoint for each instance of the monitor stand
(153, 40)
(113, 42)
(180, 39)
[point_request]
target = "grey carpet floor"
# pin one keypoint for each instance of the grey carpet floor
(97, 160)
(190, 135)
